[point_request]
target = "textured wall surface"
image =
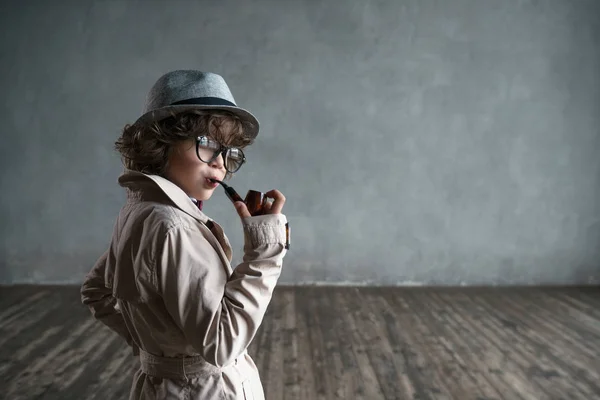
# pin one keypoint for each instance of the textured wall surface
(417, 141)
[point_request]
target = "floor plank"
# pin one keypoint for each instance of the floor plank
(337, 343)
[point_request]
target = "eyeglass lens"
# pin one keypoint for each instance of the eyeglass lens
(209, 149)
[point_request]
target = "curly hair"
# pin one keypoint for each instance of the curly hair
(146, 148)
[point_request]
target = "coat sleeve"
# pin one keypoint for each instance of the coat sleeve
(220, 315)
(99, 299)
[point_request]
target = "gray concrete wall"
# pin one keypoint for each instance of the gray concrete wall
(417, 141)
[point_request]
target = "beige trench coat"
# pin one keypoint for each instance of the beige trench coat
(166, 285)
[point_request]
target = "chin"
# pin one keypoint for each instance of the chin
(203, 196)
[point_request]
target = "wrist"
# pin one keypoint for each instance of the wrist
(266, 229)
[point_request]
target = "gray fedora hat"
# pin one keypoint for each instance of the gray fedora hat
(184, 90)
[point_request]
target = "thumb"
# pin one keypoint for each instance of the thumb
(241, 209)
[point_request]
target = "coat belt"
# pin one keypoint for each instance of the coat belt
(175, 367)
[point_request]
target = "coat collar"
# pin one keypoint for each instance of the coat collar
(148, 185)
(135, 181)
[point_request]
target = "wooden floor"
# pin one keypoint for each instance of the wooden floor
(337, 343)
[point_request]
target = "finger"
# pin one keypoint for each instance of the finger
(266, 206)
(241, 209)
(275, 194)
(278, 202)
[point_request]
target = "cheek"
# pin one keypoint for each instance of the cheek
(184, 162)
(190, 160)
(187, 155)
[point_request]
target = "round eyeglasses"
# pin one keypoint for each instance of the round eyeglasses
(208, 150)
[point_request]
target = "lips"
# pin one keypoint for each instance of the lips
(210, 183)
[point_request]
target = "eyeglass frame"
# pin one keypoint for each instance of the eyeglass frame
(222, 151)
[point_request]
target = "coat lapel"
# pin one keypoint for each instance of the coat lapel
(181, 200)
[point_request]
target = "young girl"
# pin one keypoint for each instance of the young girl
(165, 284)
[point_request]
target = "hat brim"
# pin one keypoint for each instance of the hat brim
(168, 111)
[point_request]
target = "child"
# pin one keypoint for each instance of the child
(165, 284)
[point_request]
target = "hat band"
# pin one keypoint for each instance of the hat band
(205, 101)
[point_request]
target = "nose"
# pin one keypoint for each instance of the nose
(218, 162)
